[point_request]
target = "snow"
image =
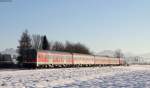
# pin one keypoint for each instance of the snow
(137, 76)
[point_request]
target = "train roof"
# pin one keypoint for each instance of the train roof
(82, 54)
(57, 52)
(106, 56)
(61, 52)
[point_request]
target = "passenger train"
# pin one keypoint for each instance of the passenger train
(50, 59)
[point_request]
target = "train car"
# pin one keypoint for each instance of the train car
(100, 61)
(114, 61)
(83, 59)
(105, 61)
(53, 58)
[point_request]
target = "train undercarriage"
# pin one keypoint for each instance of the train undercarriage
(34, 65)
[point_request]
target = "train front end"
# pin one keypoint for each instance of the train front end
(30, 59)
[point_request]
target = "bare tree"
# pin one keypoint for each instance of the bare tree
(118, 54)
(80, 48)
(76, 48)
(50, 45)
(69, 47)
(36, 42)
(58, 46)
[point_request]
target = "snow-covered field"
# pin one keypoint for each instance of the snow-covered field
(136, 76)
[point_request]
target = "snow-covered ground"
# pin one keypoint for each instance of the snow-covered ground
(137, 76)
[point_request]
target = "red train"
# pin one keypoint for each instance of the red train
(62, 59)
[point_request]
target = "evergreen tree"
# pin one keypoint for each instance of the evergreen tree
(45, 43)
(24, 45)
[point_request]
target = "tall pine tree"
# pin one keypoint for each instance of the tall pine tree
(45, 43)
(24, 45)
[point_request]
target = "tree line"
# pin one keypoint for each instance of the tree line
(41, 43)
(38, 42)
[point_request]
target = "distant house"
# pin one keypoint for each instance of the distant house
(137, 60)
(13, 54)
(6, 60)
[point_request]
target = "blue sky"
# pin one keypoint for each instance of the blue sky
(100, 24)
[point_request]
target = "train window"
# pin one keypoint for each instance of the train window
(69, 57)
(75, 57)
(59, 57)
(65, 57)
(53, 57)
(62, 57)
(46, 56)
(56, 56)
(80, 57)
(49, 56)
(39, 56)
(43, 56)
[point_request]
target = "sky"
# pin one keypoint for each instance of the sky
(99, 24)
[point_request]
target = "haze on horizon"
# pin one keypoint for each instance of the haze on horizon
(99, 24)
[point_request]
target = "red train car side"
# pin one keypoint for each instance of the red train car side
(83, 59)
(51, 58)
